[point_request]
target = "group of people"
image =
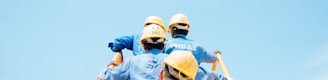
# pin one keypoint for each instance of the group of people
(156, 58)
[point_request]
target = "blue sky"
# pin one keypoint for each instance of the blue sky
(259, 39)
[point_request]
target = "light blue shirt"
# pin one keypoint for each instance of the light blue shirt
(141, 67)
(131, 42)
(180, 42)
(203, 74)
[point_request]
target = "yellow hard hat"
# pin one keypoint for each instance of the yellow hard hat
(154, 20)
(179, 18)
(153, 31)
(183, 61)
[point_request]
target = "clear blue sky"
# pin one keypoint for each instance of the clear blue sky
(259, 39)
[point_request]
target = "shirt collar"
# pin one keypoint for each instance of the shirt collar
(180, 36)
(154, 51)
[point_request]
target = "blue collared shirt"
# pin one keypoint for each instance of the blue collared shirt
(180, 42)
(203, 74)
(141, 67)
(131, 42)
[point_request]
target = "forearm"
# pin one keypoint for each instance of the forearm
(210, 58)
(117, 60)
(122, 42)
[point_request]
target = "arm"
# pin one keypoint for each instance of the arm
(122, 42)
(226, 75)
(222, 77)
(222, 65)
(118, 45)
(117, 59)
(120, 72)
(204, 74)
(208, 57)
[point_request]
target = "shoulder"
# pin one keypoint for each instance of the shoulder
(174, 40)
(170, 41)
(136, 35)
(189, 39)
(133, 35)
(194, 42)
(163, 54)
(141, 56)
(197, 45)
(139, 59)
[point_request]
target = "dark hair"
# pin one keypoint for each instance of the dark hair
(178, 31)
(148, 46)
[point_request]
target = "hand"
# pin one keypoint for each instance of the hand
(112, 64)
(110, 44)
(117, 60)
(216, 51)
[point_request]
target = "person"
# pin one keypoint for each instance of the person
(182, 65)
(178, 28)
(145, 66)
(131, 42)
(179, 65)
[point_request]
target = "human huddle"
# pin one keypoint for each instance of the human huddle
(156, 58)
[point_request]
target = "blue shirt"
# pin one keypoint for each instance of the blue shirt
(131, 42)
(203, 74)
(141, 67)
(180, 42)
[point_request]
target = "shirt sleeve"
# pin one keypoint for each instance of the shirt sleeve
(208, 57)
(123, 42)
(203, 74)
(121, 72)
(222, 77)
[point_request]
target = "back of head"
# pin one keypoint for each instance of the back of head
(153, 36)
(179, 24)
(154, 20)
(182, 61)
